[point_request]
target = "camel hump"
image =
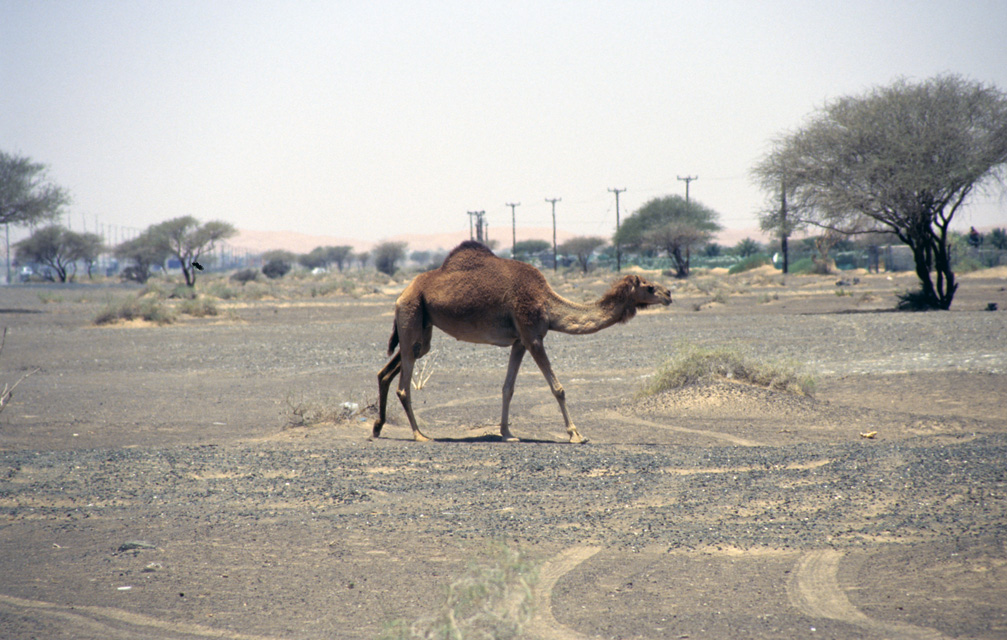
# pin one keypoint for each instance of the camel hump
(468, 255)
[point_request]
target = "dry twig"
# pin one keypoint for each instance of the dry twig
(8, 390)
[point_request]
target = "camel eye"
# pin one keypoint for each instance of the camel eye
(650, 289)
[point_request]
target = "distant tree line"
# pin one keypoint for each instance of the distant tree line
(894, 164)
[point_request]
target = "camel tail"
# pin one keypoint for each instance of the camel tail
(393, 341)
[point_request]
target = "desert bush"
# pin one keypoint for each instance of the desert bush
(494, 599)
(313, 412)
(244, 276)
(199, 307)
(333, 286)
(913, 301)
(721, 296)
(133, 308)
(697, 364)
(156, 288)
(183, 292)
(275, 269)
(221, 291)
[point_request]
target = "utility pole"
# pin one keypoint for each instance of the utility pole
(553, 201)
(513, 228)
(784, 231)
(618, 247)
(479, 225)
(687, 180)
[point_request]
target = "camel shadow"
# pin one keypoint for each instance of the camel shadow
(486, 438)
(495, 438)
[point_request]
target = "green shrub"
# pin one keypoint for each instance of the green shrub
(697, 364)
(802, 267)
(749, 263)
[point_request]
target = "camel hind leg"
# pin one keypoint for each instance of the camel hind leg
(385, 377)
(408, 358)
(516, 354)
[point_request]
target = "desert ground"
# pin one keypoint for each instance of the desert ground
(213, 477)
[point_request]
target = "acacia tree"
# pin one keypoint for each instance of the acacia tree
(27, 197)
(26, 194)
(144, 251)
(387, 255)
(669, 224)
(341, 255)
(903, 159)
(187, 240)
(582, 247)
(59, 248)
(526, 249)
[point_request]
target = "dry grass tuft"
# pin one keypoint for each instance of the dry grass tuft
(494, 599)
(696, 364)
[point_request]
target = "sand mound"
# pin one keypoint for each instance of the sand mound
(724, 398)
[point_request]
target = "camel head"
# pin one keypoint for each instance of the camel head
(632, 293)
(647, 293)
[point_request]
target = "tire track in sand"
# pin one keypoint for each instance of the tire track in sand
(544, 624)
(610, 414)
(115, 623)
(814, 590)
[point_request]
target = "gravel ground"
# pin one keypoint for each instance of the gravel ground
(151, 485)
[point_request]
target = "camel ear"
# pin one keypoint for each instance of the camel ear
(635, 280)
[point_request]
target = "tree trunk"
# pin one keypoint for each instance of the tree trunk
(681, 264)
(931, 255)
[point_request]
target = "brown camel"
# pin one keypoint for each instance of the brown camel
(477, 297)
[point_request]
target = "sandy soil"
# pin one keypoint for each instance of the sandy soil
(152, 486)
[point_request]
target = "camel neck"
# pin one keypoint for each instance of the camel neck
(576, 318)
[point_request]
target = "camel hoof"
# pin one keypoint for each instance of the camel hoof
(579, 439)
(419, 437)
(510, 438)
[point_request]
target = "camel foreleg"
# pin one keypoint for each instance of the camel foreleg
(405, 380)
(542, 360)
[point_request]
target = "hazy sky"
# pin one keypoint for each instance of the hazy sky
(366, 119)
